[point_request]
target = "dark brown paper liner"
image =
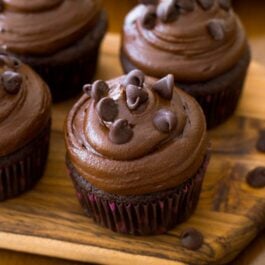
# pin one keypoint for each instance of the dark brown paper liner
(66, 80)
(219, 106)
(66, 76)
(21, 170)
(218, 97)
(148, 214)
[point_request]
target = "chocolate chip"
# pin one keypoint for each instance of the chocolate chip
(164, 87)
(149, 18)
(12, 82)
(107, 109)
(261, 142)
(225, 4)
(135, 96)
(148, 2)
(165, 121)
(216, 30)
(120, 132)
(87, 89)
(256, 177)
(99, 90)
(135, 77)
(191, 239)
(205, 4)
(186, 5)
(167, 11)
(16, 63)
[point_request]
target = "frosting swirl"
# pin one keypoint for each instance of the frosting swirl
(196, 42)
(135, 135)
(45, 26)
(24, 104)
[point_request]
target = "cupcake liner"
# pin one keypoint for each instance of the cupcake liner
(69, 69)
(20, 170)
(67, 80)
(218, 97)
(221, 105)
(149, 214)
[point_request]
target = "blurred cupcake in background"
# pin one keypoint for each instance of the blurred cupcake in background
(137, 152)
(60, 39)
(25, 122)
(202, 43)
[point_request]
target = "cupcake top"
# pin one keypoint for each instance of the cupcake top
(136, 135)
(24, 104)
(195, 40)
(45, 26)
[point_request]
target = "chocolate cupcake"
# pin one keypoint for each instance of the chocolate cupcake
(202, 43)
(25, 120)
(137, 153)
(60, 39)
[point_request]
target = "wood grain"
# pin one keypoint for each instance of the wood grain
(16, 258)
(49, 221)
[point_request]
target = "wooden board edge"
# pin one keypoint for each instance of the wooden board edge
(76, 252)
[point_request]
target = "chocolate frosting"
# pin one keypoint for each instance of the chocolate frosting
(24, 105)
(152, 147)
(200, 41)
(45, 26)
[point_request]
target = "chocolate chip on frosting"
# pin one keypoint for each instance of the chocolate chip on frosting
(225, 4)
(191, 239)
(135, 77)
(120, 132)
(135, 96)
(164, 87)
(205, 4)
(256, 177)
(216, 30)
(15, 62)
(148, 2)
(186, 5)
(12, 81)
(167, 11)
(107, 109)
(87, 89)
(149, 18)
(165, 121)
(99, 90)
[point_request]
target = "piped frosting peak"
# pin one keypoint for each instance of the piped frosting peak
(135, 134)
(193, 40)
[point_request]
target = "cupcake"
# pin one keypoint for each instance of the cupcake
(137, 153)
(60, 39)
(202, 43)
(25, 121)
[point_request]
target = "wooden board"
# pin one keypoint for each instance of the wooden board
(49, 220)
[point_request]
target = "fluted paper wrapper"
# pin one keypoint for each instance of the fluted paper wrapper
(22, 169)
(66, 80)
(140, 215)
(219, 106)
